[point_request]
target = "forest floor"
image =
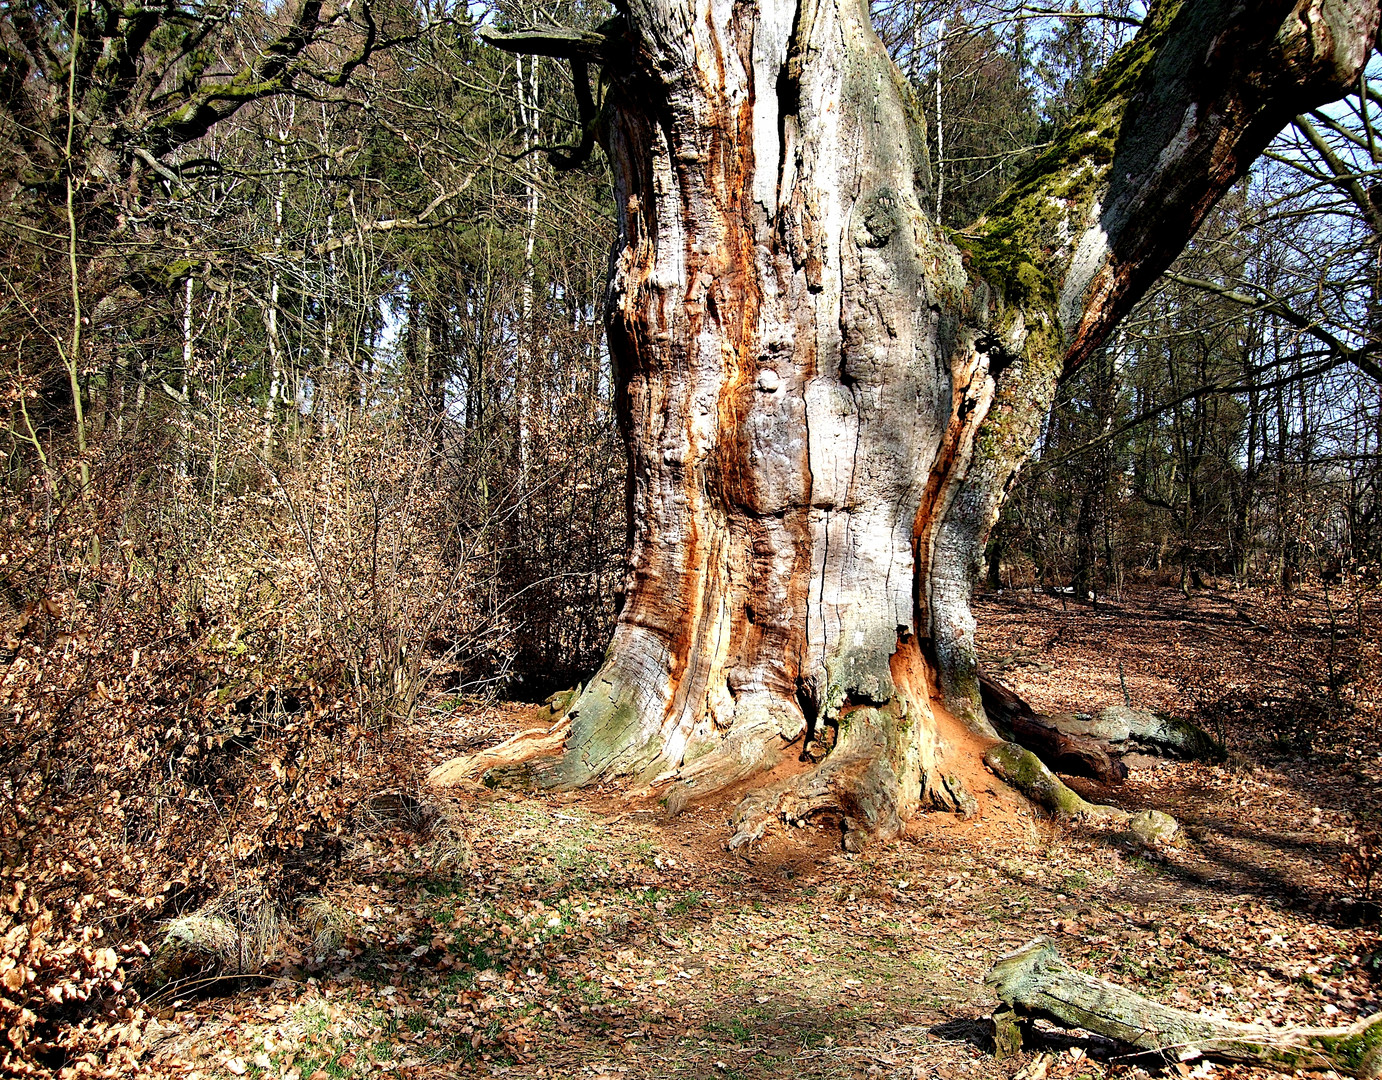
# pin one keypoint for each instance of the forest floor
(583, 935)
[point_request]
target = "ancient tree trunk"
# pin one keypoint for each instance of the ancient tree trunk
(825, 395)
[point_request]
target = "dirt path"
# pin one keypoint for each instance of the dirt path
(586, 936)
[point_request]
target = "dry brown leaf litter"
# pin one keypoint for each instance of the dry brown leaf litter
(547, 936)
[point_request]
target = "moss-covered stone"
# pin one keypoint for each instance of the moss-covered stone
(562, 700)
(1153, 827)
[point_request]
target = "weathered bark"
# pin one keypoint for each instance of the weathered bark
(825, 395)
(1035, 982)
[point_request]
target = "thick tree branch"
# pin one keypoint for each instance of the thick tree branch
(589, 118)
(581, 48)
(1344, 175)
(269, 74)
(561, 42)
(1194, 125)
(1180, 114)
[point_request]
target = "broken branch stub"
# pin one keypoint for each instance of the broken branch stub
(1035, 982)
(561, 42)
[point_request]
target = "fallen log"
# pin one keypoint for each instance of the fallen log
(1034, 982)
(525, 746)
(1081, 754)
(1091, 744)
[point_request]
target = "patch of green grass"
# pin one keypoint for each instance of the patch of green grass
(684, 903)
(734, 1027)
(925, 960)
(445, 887)
(477, 956)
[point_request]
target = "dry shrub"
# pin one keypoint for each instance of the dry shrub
(1360, 861)
(199, 665)
(1317, 682)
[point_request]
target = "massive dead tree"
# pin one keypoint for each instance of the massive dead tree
(825, 395)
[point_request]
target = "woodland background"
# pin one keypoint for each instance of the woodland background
(309, 427)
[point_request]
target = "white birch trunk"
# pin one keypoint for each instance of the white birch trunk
(271, 309)
(185, 416)
(528, 119)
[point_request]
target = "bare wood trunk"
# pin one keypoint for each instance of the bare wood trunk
(826, 396)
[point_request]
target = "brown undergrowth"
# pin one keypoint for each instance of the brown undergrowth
(585, 934)
(198, 696)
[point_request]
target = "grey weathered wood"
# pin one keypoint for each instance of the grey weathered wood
(1125, 730)
(1034, 981)
(1090, 744)
(561, 42)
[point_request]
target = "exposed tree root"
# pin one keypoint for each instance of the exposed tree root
(1035, 982)
(1018, 721)
(1025, 771)
(515, 750)
(1126, 730)
(1091, 744)
(862, 787)
(864, 779)
(884, 765)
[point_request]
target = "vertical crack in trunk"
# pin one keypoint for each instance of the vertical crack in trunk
(826, 396)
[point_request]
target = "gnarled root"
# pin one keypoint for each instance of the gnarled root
(861, 787)
(1025, 771)
(873, 779)
(1091, 744)
(1070, 752)
(515, 750)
